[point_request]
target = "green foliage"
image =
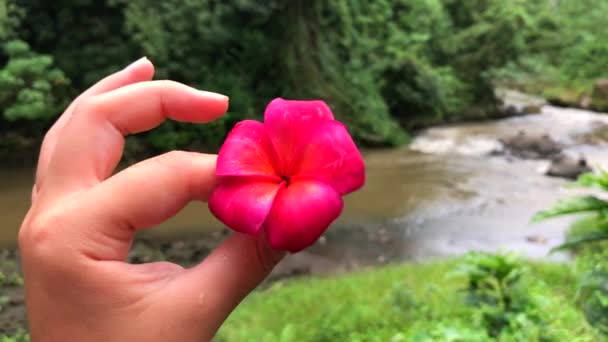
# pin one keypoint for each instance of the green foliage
(446, 332)
(592, 264)
(592, 205)
(385, 66)
(416, 302)
(86, 38)
(30, 85)
(572, 205)
(592, 296)
(565, 50)
(20, 336)
(10, 16)
(489, 34)
(490, 279)
(597, 180)
(588, 237)
(12, 279)
(507, 305)
(596, 236)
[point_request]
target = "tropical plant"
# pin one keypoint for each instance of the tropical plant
(493, 286)
(592, 297)
(589, 238)
(591, 205)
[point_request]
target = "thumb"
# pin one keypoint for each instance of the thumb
(210, 291)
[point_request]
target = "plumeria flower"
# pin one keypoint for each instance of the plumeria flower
(286, 177)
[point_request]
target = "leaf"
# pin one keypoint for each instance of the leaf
(581, 239)
(593, 180)
(571, 205)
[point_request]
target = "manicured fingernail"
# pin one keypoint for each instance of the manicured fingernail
(135, 64)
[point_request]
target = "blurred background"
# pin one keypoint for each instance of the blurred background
(474, 117)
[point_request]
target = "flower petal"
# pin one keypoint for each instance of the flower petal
(243, 204)
(332, 156)
(247, 152)
(290, 124)
(301, 213)
(286, 110)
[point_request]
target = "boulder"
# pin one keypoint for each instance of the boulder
(599, 96)
(531, 146)
(566, 166)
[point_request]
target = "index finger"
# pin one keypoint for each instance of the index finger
(138, 71)
(92, 141)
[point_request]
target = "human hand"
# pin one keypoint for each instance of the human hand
(76, 236)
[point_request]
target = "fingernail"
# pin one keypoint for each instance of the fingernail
(135, 64)
(216, 96)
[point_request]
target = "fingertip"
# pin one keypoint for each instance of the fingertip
(215, 96)
(141, 69)
(213, 105)
(206, 180)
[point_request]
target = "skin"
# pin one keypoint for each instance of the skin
(76, 236)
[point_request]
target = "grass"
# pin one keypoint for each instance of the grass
(409, 302)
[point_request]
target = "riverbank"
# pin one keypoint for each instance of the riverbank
(586, 94)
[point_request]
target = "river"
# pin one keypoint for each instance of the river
(447, 193)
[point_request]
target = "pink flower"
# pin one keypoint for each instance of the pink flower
(286, 176)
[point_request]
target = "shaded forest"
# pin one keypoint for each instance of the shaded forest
(386, 67)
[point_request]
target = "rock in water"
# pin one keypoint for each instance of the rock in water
(567, 167)
(527, 146)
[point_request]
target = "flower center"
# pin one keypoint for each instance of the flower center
(286, 180)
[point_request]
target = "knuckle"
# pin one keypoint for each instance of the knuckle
(91, 104)
(37, 238)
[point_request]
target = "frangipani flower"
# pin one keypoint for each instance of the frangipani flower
(286, 177)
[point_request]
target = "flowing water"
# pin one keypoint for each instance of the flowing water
(445, 194)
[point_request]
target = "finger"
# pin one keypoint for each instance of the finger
(91, 143)
(139, 71)
(210, 291)
(140, 196)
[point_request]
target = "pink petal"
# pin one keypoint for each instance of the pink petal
(291, 123)
(301, 213)
(332, 156)
(247, 152)
(281, 110)
(243, 204)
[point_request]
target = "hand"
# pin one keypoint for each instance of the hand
(76, 236)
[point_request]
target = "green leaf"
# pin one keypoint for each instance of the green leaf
(571, 205)
(593, 180)
(580, 240)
